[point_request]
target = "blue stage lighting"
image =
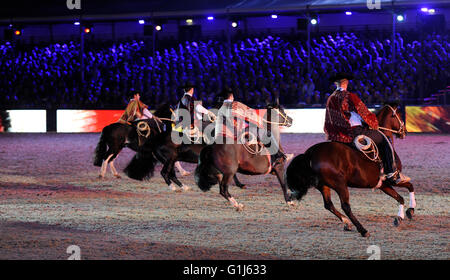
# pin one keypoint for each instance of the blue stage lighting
(210, 18)
(141, 21)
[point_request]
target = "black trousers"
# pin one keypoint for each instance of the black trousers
(384, 148)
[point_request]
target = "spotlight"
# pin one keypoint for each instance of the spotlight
(424, 9)
(87, 30)
(314, 21)
(141, 21)
(17, 32)
(274, 16)
(189, 21)
(158, 28)
(348, 13)
(234, 24)
(431, 11)
(210, 18)
(76, 23)
(400, 18)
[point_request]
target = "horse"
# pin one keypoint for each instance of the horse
(116, 136)
(160, 147)
(219, 163)
(337, 166)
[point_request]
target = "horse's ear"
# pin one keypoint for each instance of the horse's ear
(277, 101)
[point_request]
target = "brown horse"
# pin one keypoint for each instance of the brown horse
(219, 163)
(332, 165)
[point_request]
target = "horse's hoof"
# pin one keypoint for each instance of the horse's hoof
(365, 234)
(173, 188)
(184, 174)
(291, 203)
(100, 177)
(242, 187)
(186, 188)
(410, 213)
(347, 227)
(397, 221)
(240, 207)
(118, 176)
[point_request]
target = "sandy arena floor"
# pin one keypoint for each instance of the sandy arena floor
(51, 198)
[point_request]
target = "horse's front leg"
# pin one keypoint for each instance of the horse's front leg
(280, 175)
(238, 183)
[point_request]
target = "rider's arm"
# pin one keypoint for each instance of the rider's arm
(200, 109)
(361, 109)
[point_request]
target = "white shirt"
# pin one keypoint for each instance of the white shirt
(355, 119)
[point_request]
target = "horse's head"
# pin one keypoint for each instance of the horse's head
(283, 118)
(390, 121)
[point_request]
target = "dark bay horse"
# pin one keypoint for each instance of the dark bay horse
(220, 162)
(332, 165)
(160, 147)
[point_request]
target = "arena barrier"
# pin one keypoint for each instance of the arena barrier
(435, 119)
(427, 119)
(27, 120)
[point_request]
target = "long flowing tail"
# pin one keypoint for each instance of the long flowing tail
(100, 150)
(205, 173)
(300, 176)
(142, 165)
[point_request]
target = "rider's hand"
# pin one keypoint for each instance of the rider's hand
(211, 116)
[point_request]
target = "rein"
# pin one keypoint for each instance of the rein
(284, 116)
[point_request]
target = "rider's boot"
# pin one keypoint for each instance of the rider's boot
(396, 178)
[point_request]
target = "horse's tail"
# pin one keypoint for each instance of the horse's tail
(206, 173)
(100, 150)
(142, 165)
(300, 176)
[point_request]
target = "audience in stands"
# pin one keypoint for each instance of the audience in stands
(258, 70)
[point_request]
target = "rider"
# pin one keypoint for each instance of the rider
(228, 100)
(196, 111)
(344, 118)
(136, 110)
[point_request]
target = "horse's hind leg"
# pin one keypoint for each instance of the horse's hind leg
(226, 179)
(104, 167)
(328, 204)
(394, 194)
(344, 196)
(280, 175)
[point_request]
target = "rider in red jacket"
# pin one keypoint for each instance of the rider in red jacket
(347, 117)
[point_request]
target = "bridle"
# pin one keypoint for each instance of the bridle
(401, 130)
(283, 115)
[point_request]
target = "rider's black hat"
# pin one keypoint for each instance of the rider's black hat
(340, 76)
(226, 92)
(187, 85)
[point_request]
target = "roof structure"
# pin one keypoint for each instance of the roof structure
(126, 9)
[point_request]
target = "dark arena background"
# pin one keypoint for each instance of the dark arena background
(67, 69)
